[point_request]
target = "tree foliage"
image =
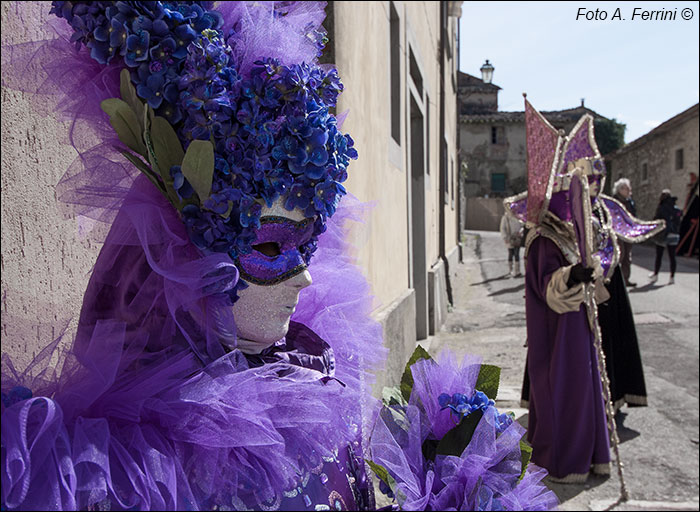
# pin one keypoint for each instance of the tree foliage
(609, 135)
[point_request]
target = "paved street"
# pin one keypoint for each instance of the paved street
(659, 443)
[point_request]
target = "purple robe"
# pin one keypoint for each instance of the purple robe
(567, 425)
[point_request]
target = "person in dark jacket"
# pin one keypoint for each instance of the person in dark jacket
(622, 191)
(669, 237)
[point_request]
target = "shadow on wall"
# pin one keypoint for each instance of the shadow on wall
(484, 213)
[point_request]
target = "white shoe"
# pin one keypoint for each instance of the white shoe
(653, 277)
(671, 280)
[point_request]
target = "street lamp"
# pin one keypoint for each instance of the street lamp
(487, 72)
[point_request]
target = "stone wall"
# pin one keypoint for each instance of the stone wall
(485, 158)
(657, 150)
(45, 261)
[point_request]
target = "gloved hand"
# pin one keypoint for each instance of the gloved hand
(579, 274)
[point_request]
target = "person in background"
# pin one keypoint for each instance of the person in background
(669, 237)
(512, 234)
(622, 191)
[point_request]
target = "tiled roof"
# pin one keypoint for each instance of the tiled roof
(553, 116)
(470, 82)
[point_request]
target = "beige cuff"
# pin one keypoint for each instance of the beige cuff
(601, 293)
(560, 298)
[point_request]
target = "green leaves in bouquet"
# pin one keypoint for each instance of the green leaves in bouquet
(488, 380)
(154, 138)
(457, 439)
(164, 151)
(125, 123)
(407, 377)
(128, 94)
(198, 167)
(525, 456)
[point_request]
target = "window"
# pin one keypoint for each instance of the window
(498, 135)
(395, 79)
(415, 72)
(645, 172)
(498, 182)
(679, 159)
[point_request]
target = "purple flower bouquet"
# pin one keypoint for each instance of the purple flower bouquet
(439, 442)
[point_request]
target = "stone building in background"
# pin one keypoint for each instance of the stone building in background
(492, 147)
(666, 157)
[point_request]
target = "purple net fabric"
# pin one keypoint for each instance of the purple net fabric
(484, 477)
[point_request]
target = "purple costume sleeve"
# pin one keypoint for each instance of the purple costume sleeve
(626, 226)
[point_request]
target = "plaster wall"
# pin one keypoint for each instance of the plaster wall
(451, 134)
(45, 262)
(379, 176)
(376, 177)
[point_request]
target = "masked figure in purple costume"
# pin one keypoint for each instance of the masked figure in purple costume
(613, 225)
(567, 423)
(207, 370)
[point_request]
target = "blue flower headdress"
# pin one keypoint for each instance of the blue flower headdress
(218, 131)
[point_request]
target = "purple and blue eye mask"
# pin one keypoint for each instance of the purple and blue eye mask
(276, 254)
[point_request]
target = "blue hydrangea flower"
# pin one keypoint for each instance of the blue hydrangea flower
(462, 405)
(137, 48)
(180, 184)
(272, 131)
(151, 91)
(250, 213)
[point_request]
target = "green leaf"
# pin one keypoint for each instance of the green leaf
(165, 151)
(198, 167)
(525, 456)
(384, 475)
(392, 396)
(125, 124)
(488, 380)
(141, 166)
(128, 93)
(457, 439)
(407, 377)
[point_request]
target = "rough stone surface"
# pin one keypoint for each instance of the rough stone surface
(45, 264)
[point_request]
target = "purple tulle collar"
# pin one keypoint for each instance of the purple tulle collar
(308, 356)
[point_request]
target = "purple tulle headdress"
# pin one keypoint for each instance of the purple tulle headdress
(187, 120)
